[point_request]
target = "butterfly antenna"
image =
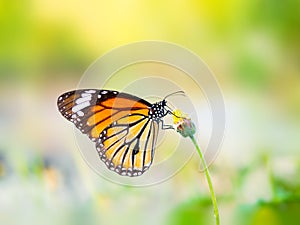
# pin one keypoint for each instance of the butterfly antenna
(175, 93)
(170, 111)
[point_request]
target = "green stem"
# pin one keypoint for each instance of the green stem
(211, 189)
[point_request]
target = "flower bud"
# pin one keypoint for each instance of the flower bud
(183, 124)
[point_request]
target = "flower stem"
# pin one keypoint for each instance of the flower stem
(211, 189)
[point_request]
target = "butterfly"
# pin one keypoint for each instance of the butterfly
(124, 127)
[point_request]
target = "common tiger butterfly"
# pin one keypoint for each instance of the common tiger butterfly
(124, 127)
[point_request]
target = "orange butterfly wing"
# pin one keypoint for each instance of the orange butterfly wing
(119, 124)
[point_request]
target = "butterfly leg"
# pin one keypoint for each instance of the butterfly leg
(166, 126)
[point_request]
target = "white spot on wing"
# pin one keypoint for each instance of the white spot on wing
(104, 92)
(80, 113)
(90, 91)
(85, 95)
(81, 100)
(80, 106)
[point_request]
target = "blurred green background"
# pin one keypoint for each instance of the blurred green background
(253, 48)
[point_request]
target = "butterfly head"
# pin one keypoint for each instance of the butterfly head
(157, 110)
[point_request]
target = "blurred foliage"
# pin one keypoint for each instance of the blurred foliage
(284, 205)
(194, 212)
(32, 48)
(270, 213)
(252, 46)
